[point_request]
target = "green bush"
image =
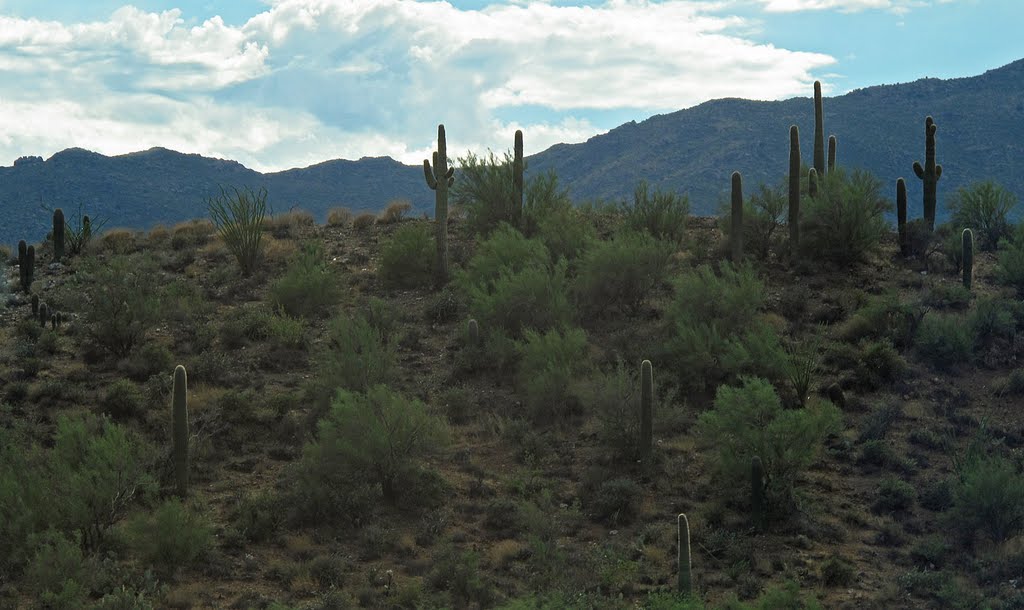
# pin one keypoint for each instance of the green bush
(59, 575)
(988, 497)
(621, 272)
(566, 232)
(543, 199)
(764, 215)
(353, 356)
(483, 189)
(894, 495)
(715, 330)
(948, 296)
(846, 221)
(123, 400)
(994, 318)
(506, 250)
(257, 516)
(238, 217)
(458, 573)
(1010, 268)
(662, 214)
(884, 317)
(749, 421)
(549, 363)
(944, 341)
(983, 208)
(407, 260)
(172, 537)
(615, 501)
(308, 287)
(614, 399)
(536, 297)
(247, 322)
(378, 438)
(150, 358)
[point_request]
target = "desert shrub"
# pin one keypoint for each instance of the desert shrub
(566, 232)
(339, 217)
(173, 536)
(483, 189)
(878, 423)
(238, 217)
(59, 575)
(1012, 384)
(764, 214)
(548, 365)
(988, 497)
(749, 421)
(621, 272)
(25, 506)
(944, 341)
(147, 360)
(191, 234)
(983, 208)
(994, 318)
(948, 296)
(715, 330)
(120, 300)
(846, 221)
(894, 495)
(543, 199)
(615, 501)
(1010, 267)
(614, 399)
(290, 224)
(408, 259)
(308, 287)
(285, 331)
(363, 221)
(354, 356)
(458, 573)
(837, 572)
(247, 322)
(936, 495)
(536, 297)
(123, 400)
(394, 212)
(378, 438)
(505, 250)
(662, 214)
(118, 241)
(884, 317)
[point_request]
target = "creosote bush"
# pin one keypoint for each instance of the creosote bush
(662, 214)
(621, 272)
(171, 537)
(988, 497)
(407, 260)
(548, 365)
(308, 288)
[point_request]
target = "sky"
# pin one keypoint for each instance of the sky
(276, 84)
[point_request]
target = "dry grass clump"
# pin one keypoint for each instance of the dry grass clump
(192, 233)
(118, 241)
(290, 224)
(339, 217)
(363, 220)
(158, 234)
(395, 212)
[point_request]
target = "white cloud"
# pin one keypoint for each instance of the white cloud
(308, 80)
(847, 6)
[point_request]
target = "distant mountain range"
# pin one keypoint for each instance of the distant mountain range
(980, 135)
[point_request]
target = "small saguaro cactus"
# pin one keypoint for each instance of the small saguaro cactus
(35, 304)
(819, 131)
(439, 178)
(517, 180)
(930, 173)
(901, 216)
(180, 430)
(53, 321)
(832, 144)
(44, 314)
(736, 232)
(86, 230)
(646, 410)
(812, 182)
(794, 189)
(473, 330)
(757, 492)
(685, 582)
(59, 319)
(58, 234)
(967, 243)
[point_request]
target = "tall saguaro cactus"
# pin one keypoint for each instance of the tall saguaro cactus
(685, 582)
(930, 173)
(757, 491)
(180, 430)
(819, 131)
(736, 232)
(794, 189)
(517, 181)
(646, 410)
(901, 216)
(58, 234)
(832, 145)
(812, 182)
(439, 178)
(967, 244)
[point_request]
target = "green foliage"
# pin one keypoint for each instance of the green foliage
(566, 231)
(407, 260)
(485, 191)
(749, 420)
(662, 214)
(715, 330)
(944, 341)
(238, 216)
(59, 575)
(994, 318)
(353, 356)
(764, 213)
(257, 516)
(172, 537)
(884, 317)
(621, 272)
(614, 501)
(146, 360)
(536, 297)
(614, 400)
(549, 363)
(308, 287)
(123, 400)
(379, 438)
(458, 573)
(845, 222)
(983, 208)
(988, 497)
(893, 495)
(506, 249)
(948, 296)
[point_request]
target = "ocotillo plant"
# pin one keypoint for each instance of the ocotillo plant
(58, 234)
(736, 232)
(44, 314)
(757, 492)
(812, 182)
(901, 216)
(646, 410)
(930, 173)
(794, 189)
(967, 243)
(180, 430)
(832, 144)
(439, 178)
(685, 583)
(819, 131)
(517, 181)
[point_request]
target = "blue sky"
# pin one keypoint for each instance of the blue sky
(276, 84)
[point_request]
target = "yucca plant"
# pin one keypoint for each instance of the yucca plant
(238, 216)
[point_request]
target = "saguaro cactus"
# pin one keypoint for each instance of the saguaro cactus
(794, 189)
(736, 233)
(646, 410)
(86, 230)
(967, 243)
(44, 314)
(35, 304)
(819, 131)
(930, 173)
(180, 430)
(58, 234)
(685, 584)
(832, 144)
(812, 182)
(901, 216)
(439, 178)
(473, 330)
(517, 180)
(757, 491)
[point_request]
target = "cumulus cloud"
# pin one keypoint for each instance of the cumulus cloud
(846, 6)
(308, 80)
